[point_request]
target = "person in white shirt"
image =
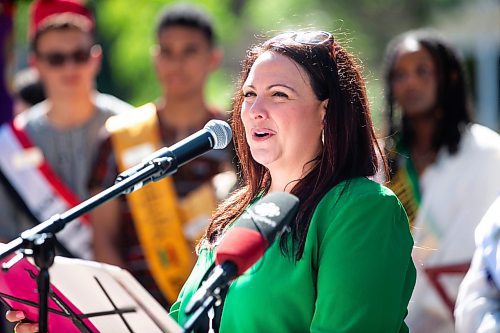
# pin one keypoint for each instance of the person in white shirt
(444, 168)
(478, 302)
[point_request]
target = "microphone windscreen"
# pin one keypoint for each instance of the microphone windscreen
(221, 132)
(241, 246)
(252, 233)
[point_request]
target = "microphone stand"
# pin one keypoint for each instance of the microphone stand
(39, 241)
(209, 294)
(208, 302)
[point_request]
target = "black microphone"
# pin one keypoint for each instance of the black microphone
(216, 134)
(246, 241)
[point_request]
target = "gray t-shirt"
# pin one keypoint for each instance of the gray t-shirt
(70, 153)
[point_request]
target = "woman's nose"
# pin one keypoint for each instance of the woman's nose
(258, 109)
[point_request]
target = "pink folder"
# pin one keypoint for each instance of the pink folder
(85, 296)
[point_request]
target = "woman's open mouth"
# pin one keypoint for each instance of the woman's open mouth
(262, 134)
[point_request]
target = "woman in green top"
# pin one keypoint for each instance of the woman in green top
(302, 125)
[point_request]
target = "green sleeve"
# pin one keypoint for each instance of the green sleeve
(175, 308)
(365, 273)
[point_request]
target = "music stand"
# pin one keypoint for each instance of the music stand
(85, 296)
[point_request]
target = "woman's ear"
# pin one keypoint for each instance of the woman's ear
(323, 106)
(215, 59)
(96, 56)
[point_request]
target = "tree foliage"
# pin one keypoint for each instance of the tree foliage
(126, 31)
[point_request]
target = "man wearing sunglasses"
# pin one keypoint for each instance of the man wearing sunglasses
(46, 154)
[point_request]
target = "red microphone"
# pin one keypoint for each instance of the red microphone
(247, 240)
(245, 243)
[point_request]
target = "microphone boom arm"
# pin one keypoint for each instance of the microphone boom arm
(38, 241)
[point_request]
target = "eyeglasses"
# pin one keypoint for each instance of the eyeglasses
(308, 38)
(58, 59)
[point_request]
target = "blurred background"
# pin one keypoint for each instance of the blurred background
(125, 30)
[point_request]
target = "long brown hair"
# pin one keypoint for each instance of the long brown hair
(350, 148)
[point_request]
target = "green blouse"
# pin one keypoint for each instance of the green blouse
(356, 273)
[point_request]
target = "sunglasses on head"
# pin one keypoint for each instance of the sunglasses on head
(58, 59)
(308, 38)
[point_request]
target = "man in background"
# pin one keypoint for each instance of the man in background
(153, 231)
(46, 154)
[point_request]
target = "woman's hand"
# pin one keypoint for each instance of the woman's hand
(14, 316)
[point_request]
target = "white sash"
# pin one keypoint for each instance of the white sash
(43, 193)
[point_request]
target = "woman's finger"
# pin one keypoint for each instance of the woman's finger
(26, 328)
(14, 316)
